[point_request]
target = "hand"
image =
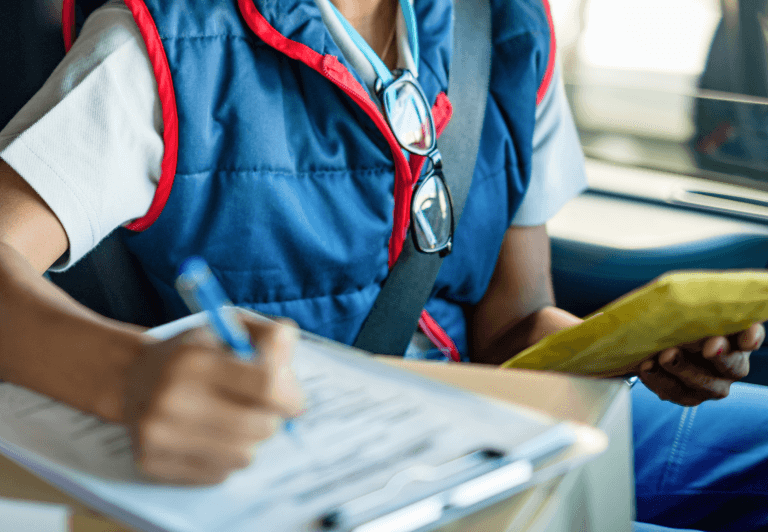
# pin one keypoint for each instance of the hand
(195, 412)
(693, 373)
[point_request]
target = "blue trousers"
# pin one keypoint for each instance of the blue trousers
(702, 468)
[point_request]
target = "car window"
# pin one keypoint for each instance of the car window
(675, 85)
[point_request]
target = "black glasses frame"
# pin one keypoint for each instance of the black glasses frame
(434, 173)
(386, 96)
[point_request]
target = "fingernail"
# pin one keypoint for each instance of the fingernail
(668, 359)
(673, 361)
(649, 367)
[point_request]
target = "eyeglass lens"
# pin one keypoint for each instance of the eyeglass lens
(431, 214)
(410, 118)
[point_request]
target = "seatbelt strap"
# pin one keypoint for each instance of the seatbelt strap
(390, 325)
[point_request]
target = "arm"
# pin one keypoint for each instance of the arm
(518, 310)
(47, 341)
(51, 344)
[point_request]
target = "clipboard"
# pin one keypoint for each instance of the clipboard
(527, 436)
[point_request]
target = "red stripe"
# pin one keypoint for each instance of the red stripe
(167, 100)
(330, 67)
(333, 70)
(438, 336)
(550, 59)
(68, 23)
(170, 115)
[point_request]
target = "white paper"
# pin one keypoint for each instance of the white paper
(364, 422)
(26, 516)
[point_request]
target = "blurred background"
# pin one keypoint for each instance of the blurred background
(678, 85)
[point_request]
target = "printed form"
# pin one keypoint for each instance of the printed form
(373, 438)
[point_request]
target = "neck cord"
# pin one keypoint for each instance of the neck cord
(382, 72)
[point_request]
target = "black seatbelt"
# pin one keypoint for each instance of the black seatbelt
(390, 325)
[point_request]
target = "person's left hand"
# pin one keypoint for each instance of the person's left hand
(693, 373)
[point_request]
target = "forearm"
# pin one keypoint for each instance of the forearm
(51, 344)
(518, 308)
(523, 334)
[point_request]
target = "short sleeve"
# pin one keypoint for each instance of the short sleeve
(557, 161)
(90, 141)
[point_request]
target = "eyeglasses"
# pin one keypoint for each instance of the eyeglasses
(410, 118)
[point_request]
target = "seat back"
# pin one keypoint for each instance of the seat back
(110, 281)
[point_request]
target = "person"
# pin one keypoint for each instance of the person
(250, 133)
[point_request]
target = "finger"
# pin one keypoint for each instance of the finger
(276, 340)
(699, 379)
(154, 390)
(241, 381)
(729, 364)
(181, 472)
(165, 442)
(271, 382)
(254, 385)
(242, 425)
(169, 466)
(219, 416)
(693, 347)
(285, 392)
(246, 425)
(751, 338)
(666, 386)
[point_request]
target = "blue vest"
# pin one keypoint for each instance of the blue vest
(284, 183)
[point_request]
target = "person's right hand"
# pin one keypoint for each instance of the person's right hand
(195, 412)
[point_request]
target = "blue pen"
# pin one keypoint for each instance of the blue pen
(202, 292)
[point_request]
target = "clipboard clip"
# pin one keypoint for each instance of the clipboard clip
(472, 479)
(457, 488)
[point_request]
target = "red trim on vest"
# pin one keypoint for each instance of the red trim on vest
(68, 23)
(167, 94)
(438, 336)
(550, 59)
(330, 67)
(405, 174)
(403, 189)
